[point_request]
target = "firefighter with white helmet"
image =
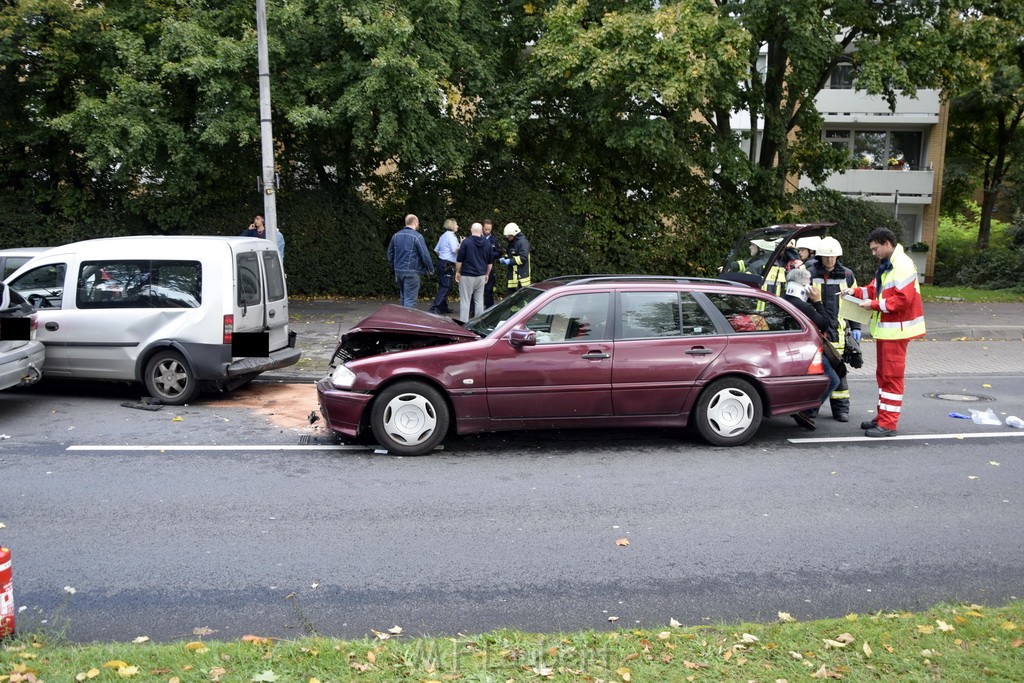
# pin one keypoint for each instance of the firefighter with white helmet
(806, 247)
(516, 258)
(830, 277)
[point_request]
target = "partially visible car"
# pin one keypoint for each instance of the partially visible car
(21, 354)
(578, 352)
(12, 259)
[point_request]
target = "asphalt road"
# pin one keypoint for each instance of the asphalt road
(512, 530)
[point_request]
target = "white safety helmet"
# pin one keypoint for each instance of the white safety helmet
(511, 230)
(829, 246)
(808, 243)
(763, 244)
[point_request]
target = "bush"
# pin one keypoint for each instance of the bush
(958, 261)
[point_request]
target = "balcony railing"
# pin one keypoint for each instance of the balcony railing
(915, 187)
(853, 106)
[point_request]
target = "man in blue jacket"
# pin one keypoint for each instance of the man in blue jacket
(409, 258)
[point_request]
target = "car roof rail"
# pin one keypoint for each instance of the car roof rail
(587, 279)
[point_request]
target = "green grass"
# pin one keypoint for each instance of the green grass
(947, 643)
(971, 295)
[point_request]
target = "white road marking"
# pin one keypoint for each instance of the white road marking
(313, 447)
(907, 437)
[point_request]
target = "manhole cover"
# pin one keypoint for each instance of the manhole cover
(961, 398)
(325, 440)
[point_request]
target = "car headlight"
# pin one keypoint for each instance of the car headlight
(343, 377)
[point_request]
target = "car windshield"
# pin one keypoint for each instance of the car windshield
(495, 316)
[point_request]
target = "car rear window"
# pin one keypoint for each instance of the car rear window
(753, 314)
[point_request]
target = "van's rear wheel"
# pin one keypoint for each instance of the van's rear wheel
(170, 379)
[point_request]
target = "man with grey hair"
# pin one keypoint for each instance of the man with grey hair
(472, 268)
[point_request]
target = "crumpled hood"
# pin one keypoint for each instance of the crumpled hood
(395, 318)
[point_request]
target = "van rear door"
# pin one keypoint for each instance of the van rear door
(261, 302)
(277, 299)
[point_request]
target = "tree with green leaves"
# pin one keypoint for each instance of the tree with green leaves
(695, 64)
(986, 142)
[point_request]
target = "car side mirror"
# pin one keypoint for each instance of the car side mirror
(521, 337)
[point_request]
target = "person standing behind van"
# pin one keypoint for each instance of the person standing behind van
(409, 258)
(258, 228)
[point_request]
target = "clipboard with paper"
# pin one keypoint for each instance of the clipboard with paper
(849, 308)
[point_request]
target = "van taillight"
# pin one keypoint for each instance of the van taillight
(229, 327)
(816, 368)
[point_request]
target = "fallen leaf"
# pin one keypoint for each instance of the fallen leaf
(203, 631)
(613, 619)
(179, 418)
(833, 644)
(728, 655)
(927, 629)
(1008, 625)
(114, 664)
(267, 676)
(197, 646)
(1017, 643)
(361, 668)
(972, 477)
(371, 656)
(313, 680)
(380, 635)
(622, 542)
(867, 650)
(943, 626)
(845, 638)
(695, 666)
(257, 640)
(395, 630)
(795, 655)
(216, 673)
(987, 386)
(748, 638)
(927, 653)
(87, 675)
(2, 525)
(823, 673)
(973, 613)
(993, 463)
(851, 617)
(625, 674)
(664, 635)
(127, 671)
(786, 618)
(141, 639)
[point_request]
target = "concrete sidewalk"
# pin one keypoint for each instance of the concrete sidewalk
(962, 338)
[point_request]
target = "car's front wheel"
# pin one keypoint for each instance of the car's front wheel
(728, 412)
(170, 379)
(409, 418)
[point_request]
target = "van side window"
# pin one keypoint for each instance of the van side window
(275, 279)
(139, 284)
(43, 287)
(249, 291)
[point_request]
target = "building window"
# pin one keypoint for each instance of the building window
(841, 77)
(880, 149)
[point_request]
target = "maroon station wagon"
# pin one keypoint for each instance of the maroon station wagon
(578, 351)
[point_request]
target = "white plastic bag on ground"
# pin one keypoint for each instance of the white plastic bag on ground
(985, 417)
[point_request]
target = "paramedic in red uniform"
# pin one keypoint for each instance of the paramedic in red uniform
(894, 296)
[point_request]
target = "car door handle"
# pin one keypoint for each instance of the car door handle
(272, 312)
(595, 355)
(699, 351)
(52, 326)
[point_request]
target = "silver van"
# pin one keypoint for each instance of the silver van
(179, 314)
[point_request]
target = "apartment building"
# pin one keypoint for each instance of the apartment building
(898, 156)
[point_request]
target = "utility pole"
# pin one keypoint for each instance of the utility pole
(268, 184)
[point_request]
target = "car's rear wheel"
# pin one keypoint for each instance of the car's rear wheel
(409, 418)
(170, 379)
(728, 412)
